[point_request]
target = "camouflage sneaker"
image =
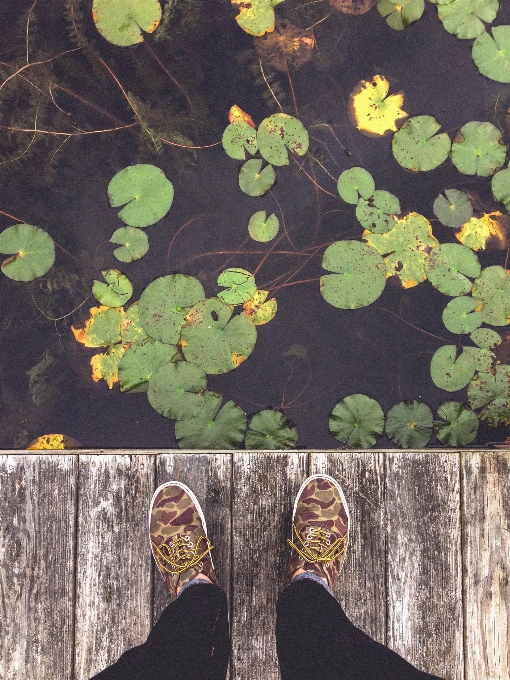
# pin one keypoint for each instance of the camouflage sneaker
(178, 536)
(320, 523)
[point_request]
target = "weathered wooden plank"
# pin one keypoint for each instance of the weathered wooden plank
(424, 561)
(486, 491)
(362, 583)
(113, 596)
(37, 545)
(265, 485)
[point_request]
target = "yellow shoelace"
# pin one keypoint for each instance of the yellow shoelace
(180, 555)
(319, 551)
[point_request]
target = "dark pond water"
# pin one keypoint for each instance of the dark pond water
(59, 183)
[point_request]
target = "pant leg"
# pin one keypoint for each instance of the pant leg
(190, 640)
(316, 641)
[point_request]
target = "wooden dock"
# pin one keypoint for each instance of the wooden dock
(427, 570)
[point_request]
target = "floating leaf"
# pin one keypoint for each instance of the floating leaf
(464, 18)
(459, 315)
(256, 17)
(278, 133)
(164, 304)
(377, 214)
(372, 111)
(213, 340)
(454, 210)
(486, 338)
(121, 22)
(130, 327)
(460, 427)
(287, 48)
(134, 241)
(31, 250)
(409, 424)
(359, 275)
(492, 289)
(115, 292)
(492, 391)
(258, 310)
(262, 229)
(270, 430)
(483, 358)
(102, 328)
(478, 149)
(106, 366)
(147, 192)
(236, 114)
(53, 442)
(140, 361)
(449, 371)
(238, 138)
(501, 187)
(407, 247)
(448, 267)
(400, 13)
(240, 285)
(488, 232)
(357, 420)
(492, 54)
(355, 183)
(417, 147)
(174, 390)
(212, 428)
(254, 181)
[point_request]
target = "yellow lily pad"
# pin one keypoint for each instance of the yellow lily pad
(53, 442)
(489, 232)
(106, 366)
(258, 310)
(372, 111)
(102, 328)
(256, 17)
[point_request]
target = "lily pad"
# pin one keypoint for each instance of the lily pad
(164, 304)
(256, 17)
(174, 390)
(461, 424)
(31, 250)
(409, 424)
(482, 357)
(377, 214)
(130, 327)
(407, 247)
(258, 310)
(146, 191)
(464, 18)
(486, 338)
(213, 428)
(121, 22)
(417, 147)
(459, 315)
(372, 111)
(359, 275)
(270, 430)
(491, 54)
(239, 137)
(115, 292)
(492, 392)
(354, 184)
(448, 267)
(280, 132)
(213, 340)
(478, 149)
(106, 366)
(140, 361)
(488, 232)
(254, 181)
(492, 290)
(357, 420)
(501, 187)
(262, 229)
(400, 13)
(102, 328)
(449, 371)
(240, 286)
(134, 242)
(454, 210)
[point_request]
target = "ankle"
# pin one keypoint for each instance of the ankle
(303, 571)
(200, 576)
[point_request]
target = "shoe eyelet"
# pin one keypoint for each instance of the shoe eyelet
(328, 542)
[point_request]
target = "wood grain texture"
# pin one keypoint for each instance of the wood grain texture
(37, 519)
(425, 623)
(113, 594)
(486, 491)
(265, 486)
(361, 587)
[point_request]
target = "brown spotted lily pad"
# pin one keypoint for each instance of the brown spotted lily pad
(352, 6)
(287, 48)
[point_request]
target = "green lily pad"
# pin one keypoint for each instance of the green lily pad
(417, 147)
(377, 213)
(257, 16)
(238, 138)
(147, 192)
(270, 430)
(355, 183)
(240, 285)
(140, 361)
(115, 292)
(454, 210)
(449, 371)
(491, 54)
(174, 390)
(459, 315)
(448, 267)
(213, 428)
(278, 133)
(409, 424)
(121, 22)
(478, 149)
(102, 328)
(482, 357)
(262, 229)
(486, 338)
(134, 242)
(400, 13)
(357, 420)
(213, 340)
(460, 427)
(254, 181)
(359, 275)
(164, 304)
(464, 18)
(31, 250)
(492, 392)
(501, 187)
(130, 327)
(492, 289)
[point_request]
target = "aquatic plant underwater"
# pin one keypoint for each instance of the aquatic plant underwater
(174, 337)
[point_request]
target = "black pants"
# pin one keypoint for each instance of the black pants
(314, 640)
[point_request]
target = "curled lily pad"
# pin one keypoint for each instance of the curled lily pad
(409, 424)
(263, 229)
(489, 232)
(359, 275)
(258, 310)
(31, 250)
(354, 184)
(140, 361)
(254, 181)
(115, 292)
(134, 242)
(501, 187)
(174, 390)
(491, 54)
(492, 392)
(400, 13)
(106, 366)
(478, 149)
(454, 210)
(357, 420)
(448, 267)
(279, 133)
(239, 137)
(146, 191)
(492, 290)
(372, 111)
(257, 16)
(464, 18)
(486, 338)
(240, 286)
(102, 328)
(449, 371)
(417, 147)
(130, 327)
(270, 430)
(377, 214)
(460, 427)
(459, 315)
(121, 22)
(213, 428)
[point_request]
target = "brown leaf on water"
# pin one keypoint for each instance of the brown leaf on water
(287, 48)
(352, 6)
